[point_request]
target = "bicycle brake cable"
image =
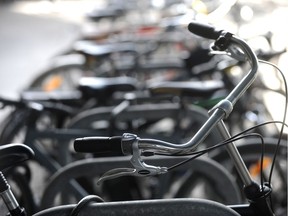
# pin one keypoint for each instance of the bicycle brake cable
(204, 151)
(284, 115)
(232, 139)
(199, 153)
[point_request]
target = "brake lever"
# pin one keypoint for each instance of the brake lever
(140, 167)
(115, 173)
(231, 51)
(235, 53)
(222, 46)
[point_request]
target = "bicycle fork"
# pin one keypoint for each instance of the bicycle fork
(258, 196)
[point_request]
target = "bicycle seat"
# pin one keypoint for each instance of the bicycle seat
(187, 88)
(12, 154)
(91, 48)
(62, 96)
(105, 87)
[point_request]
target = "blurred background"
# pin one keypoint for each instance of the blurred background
(32, 33)
(35, 35)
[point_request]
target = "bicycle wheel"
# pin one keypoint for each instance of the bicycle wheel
(66, 76)
(61, 77)
(197, 184)
(13, 127)
(166, 121)
(15, 130)
(19, 127)
(250, 151)
(148, 120)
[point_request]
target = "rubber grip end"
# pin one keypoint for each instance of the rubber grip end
(99, 146)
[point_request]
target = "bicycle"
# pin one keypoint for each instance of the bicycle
(51, 144)
(206, 172)
(12, 154)
(90, 119)
(258, 194)
(108, 59)
(130, 144)
(253, 114)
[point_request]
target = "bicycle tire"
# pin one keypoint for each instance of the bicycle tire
(86, 120)
(155, 111)
(221, 178)
(89, 119)
(66, 76)
(65, 72)
(12, 124)
(15, 129)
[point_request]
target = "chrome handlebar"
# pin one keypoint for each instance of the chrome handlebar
(137, 147)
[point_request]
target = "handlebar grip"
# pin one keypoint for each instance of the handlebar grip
(204, 30)
(99, 146)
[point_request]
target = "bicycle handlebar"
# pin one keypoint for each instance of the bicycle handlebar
(99, 146)
(204, 30)
(133, 145)
(222, 109)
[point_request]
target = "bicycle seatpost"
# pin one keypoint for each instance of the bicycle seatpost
(9, 198)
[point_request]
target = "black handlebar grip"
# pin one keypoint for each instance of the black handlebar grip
(99, 146)
(204, 30)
